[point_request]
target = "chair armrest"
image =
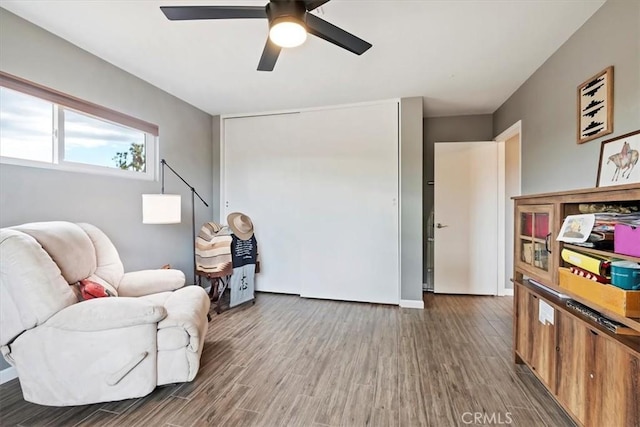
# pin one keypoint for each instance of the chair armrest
(145, 282)
(106, 313)
(188, 309)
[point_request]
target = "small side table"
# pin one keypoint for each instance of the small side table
(217, 278)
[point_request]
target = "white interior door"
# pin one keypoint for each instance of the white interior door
(349, 199)
(261, 165)
(466, 218)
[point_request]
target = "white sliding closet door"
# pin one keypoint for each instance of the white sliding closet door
(322, 190)
(348, 225)
(261, 169)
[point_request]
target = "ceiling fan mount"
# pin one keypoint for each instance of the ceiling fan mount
(289, 23)
(285, 9)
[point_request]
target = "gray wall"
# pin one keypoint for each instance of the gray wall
(446, 129)
(546, 102)
(113, 204)
(411, 183)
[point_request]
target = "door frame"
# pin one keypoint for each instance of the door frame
(499, 286)
(511, 131)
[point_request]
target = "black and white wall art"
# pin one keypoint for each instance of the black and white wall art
(595, 106)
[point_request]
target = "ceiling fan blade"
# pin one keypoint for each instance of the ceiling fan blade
(181, 13)
(329, 32)
(269, 56)
(314, 4)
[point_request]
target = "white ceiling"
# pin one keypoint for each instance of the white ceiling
(463, 57)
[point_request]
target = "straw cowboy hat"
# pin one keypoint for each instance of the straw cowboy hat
(241, 225)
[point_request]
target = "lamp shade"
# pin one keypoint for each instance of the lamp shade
(161, 208)
(287, 32)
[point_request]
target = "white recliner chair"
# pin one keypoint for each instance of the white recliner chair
(73, 353)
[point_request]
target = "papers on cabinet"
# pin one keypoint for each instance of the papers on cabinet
(546, 313)
(576, 228)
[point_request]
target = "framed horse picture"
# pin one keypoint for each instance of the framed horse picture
(619, 160)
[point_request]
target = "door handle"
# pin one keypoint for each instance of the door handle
(546, 243)
(438, 225)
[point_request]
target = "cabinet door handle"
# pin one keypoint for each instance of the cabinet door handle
(593, 332)
(546, 243)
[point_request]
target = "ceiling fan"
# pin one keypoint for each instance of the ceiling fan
(289, 23)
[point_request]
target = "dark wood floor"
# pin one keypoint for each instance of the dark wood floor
(299, 362)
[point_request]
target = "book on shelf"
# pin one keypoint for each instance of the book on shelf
(618, 218)
(589, 262)
(588, 275)
(602, 240)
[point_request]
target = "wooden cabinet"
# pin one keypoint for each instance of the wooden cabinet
(537, 342)
(592, 372)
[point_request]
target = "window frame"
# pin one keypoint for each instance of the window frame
(62, 102)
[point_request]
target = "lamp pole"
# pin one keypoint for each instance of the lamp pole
(193, 210)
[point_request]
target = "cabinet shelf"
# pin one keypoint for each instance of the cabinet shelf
(532, 239)
(608, 254)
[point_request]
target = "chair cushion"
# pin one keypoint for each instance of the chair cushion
(67, 244)
(146, 282)
(108, 264)
(31, 287)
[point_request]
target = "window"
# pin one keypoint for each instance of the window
(26, 127)
(44, 128)
(97, 142)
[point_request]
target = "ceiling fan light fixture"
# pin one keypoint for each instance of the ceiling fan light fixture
(287, 32)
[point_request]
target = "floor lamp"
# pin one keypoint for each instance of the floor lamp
(165, 209)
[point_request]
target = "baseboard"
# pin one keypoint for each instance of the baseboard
(411, 303)
(508, 292)
(8, 374)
